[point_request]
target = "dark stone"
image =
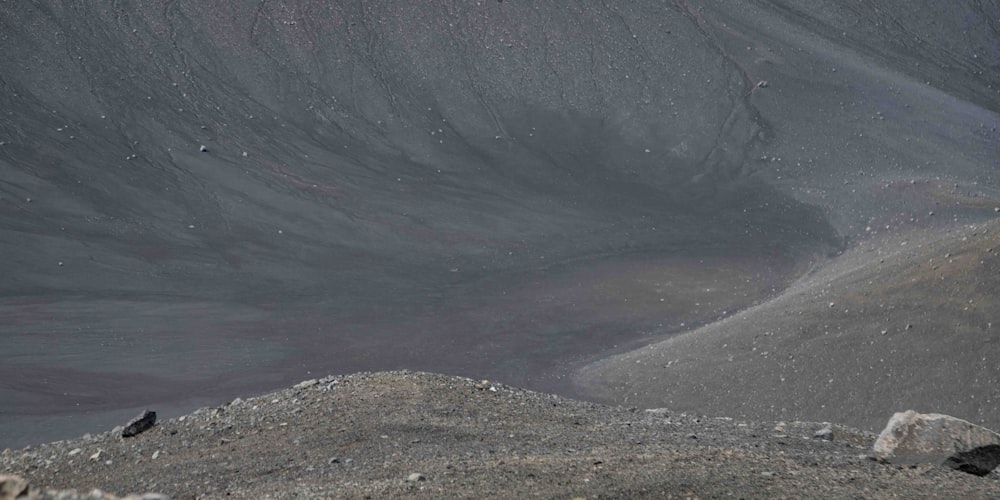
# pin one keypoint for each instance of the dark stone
(139, 424)
(979, 461)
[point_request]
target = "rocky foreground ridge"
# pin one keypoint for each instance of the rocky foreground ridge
(404, 434)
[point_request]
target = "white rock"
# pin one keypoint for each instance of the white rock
(658, 412)
(305, 384)
(13, 486)
(826, 434)
(914, 438)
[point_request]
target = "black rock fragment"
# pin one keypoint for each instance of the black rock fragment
(143, 422)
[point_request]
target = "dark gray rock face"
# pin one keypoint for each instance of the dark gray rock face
(912, 438)
(139, 424)
(979, 461)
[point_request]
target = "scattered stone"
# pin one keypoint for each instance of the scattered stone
(12, 487)
(837, 469)
(141, 423)
(203, 148)
(912, 438)
(826, 434)
(658, 412)
(74, 451)
(17, 488)
(306, 384)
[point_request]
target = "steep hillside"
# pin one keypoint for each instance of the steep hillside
(198, 203)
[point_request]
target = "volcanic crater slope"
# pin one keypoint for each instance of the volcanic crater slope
(198, 203)
(905, 321)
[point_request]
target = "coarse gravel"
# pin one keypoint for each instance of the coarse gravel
(421, 435)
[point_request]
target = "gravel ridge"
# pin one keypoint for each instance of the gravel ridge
(422, 435)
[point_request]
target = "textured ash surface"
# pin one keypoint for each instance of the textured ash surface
(366, 434)
(449, 186)
(200, 203)
(905, 322)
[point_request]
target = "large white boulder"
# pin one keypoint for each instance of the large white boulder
(915, 438)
